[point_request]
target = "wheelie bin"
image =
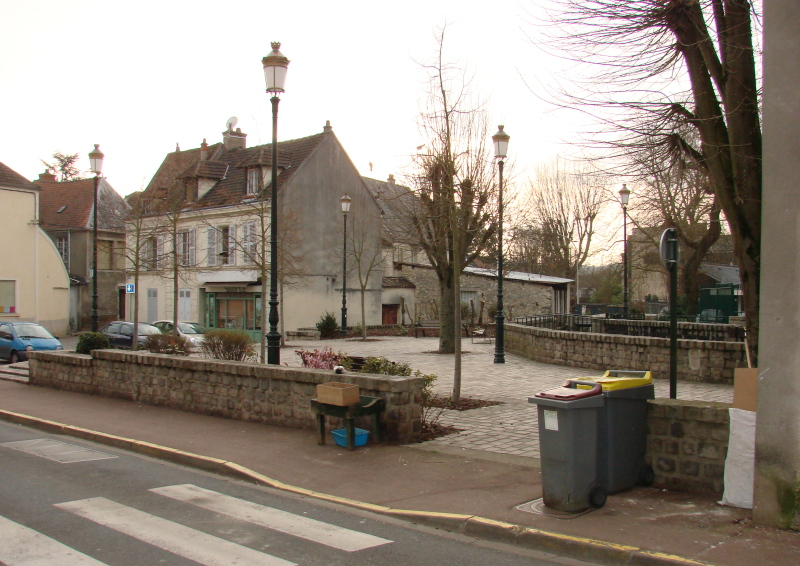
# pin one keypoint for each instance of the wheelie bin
(568, 441)
(593, 438)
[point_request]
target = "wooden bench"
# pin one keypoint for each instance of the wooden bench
(483, 333)
(366, 406)
(426, 325)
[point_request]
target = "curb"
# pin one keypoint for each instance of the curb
(608, 553)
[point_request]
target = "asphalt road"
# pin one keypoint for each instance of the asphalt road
(67, 502)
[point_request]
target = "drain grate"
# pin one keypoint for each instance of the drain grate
(538, 507)
(57, 451)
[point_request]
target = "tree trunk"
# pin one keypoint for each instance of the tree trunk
(447, 308)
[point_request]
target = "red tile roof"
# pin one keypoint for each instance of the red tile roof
(10, 178)
(75, 201)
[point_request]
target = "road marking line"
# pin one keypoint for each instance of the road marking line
(22, 546)
(275, 519)
(184, 541)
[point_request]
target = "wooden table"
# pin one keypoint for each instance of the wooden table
(365, 406)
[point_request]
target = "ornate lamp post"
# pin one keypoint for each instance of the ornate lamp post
(345, 209)
(500, 140)
(275, 66)
(96, 166)
(624, 196)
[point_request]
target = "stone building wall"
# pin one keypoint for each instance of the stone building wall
(246, 391)
(520, 298)
(698, 360)
(687, 442)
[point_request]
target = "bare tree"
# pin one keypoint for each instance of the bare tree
(563, 203)
(453, 216)
(659, 66)
(367, 256)
(677, 197)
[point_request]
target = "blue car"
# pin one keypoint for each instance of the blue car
(19, 338)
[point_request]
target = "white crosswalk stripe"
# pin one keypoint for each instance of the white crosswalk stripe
(184, 541)
(275, 519)
(21, 546)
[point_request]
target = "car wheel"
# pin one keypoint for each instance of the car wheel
(14, 358)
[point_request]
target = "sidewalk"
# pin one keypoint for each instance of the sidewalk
(440, 483)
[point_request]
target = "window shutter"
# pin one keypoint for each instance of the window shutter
(232, 245)
(191, 236)
(212, 247)
(159, 252)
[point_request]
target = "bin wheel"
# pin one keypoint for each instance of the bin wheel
(647, 476)
(597, 497)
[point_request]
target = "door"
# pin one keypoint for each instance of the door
(389, 314)
(185, 305)
(6, 338)
(152, 305)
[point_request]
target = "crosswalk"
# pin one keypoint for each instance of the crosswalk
(24, 546)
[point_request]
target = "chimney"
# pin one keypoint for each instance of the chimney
(203, 150)
(391, 180)
(234, 140)
(47, 176)
(327, 129)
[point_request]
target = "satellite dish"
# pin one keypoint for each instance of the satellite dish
(231, 123)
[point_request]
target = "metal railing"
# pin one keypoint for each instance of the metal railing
(629, 327)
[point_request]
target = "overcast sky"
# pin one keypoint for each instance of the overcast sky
(139, 77)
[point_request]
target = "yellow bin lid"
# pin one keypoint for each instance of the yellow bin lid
(614, 380)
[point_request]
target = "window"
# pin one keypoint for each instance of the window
(249, 243)
(153, 253)
(185, 243)
(254, 180)
(8, 297)
(221, 245)
(62, 243)
(467, 296)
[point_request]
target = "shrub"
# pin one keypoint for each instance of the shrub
(234, 345)
(327, 326)
(323, 359)
(167, 344)
(384, 366)
(92, 341)
(402, 330)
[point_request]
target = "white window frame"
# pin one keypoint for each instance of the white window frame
(219, 244)
(249, 243)
(12, 308)
(253, 180)
(186, 253)
(63, 249)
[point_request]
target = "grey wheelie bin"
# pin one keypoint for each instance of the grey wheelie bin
(568, 441)
(593, 438)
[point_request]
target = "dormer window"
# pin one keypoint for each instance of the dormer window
(254, 180)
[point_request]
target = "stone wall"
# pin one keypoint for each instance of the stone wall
(687, 442)
(238, 390)
(698, 360)
(520, 298)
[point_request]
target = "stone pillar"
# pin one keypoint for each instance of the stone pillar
(777, 481)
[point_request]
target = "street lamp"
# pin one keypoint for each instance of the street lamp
(96, 166)
(345, 209)
(500, 140)
(624, 196)
(275, 66)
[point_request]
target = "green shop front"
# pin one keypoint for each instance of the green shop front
(233, 305)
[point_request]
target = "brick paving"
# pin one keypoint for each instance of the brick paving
(510, 428)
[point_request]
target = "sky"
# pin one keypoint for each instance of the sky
(139, 78)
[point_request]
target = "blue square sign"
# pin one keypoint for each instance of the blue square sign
(130, 288)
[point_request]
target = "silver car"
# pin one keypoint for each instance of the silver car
(192, 331)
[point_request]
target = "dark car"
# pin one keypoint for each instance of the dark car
(19, 338)
(120, 333)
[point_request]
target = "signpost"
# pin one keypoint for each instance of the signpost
(130, 288)
(670, 253)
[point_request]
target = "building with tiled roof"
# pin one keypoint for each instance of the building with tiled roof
(66, 212)
(34, 284)
(214, 202)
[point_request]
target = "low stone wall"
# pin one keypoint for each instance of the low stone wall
(239, 390)
(698, 360)
(687, 442)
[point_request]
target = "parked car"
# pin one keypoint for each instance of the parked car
(120, 333)
(192, 331)
(19, 338)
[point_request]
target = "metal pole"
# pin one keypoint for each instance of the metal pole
(344, 279)
(499, 352)
(274, 337)
(95, 314)
(625, 261)
(673, 325)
